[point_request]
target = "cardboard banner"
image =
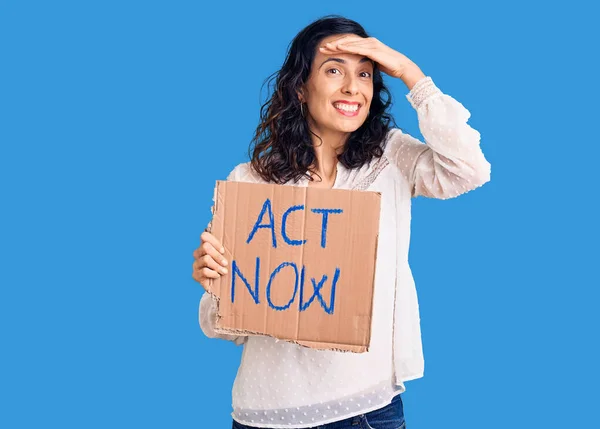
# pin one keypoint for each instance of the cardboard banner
(301, 263)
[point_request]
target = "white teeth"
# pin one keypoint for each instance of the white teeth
(346, 107)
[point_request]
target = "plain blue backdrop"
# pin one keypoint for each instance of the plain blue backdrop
(116, 118)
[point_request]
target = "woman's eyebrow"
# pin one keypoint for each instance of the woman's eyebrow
(342, 61)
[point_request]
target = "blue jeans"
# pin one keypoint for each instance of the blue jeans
(389, 417)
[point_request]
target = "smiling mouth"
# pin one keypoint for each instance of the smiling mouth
(347, 109)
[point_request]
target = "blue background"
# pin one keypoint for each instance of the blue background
(116, 118)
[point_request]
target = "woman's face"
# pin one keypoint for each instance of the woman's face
(337, 84)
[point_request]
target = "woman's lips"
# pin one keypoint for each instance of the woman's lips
(346, 113)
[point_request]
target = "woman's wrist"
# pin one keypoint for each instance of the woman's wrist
(411, 76)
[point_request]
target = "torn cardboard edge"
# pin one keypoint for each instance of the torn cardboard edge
(349, 348)
(218, 201)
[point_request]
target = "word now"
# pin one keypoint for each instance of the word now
(266, 208)
(298, 286)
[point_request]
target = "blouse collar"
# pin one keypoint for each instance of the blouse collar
(342, 173)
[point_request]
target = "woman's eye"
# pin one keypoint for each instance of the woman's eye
(363, 73)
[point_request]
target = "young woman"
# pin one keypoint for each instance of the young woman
(326, 125)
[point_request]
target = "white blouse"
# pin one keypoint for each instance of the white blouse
(284, 385)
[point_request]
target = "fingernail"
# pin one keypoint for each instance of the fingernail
(222, 250)
(224, 270)
(224, 261)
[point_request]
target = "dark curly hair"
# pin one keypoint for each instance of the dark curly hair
(282, 148)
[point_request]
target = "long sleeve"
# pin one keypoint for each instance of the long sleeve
(207, 312)
(450, 162)
(208, 319)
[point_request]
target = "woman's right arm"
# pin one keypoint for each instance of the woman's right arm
(208, 304)
(208, 319)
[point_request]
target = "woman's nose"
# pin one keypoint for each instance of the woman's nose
(350, 86)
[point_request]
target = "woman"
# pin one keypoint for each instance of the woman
(326, 126)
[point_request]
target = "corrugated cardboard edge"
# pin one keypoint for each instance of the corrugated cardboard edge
(373, 262)
(209, 287)
(350, 348)
(374, 272)
(328, 346)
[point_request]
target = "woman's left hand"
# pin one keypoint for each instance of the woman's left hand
(389, 60)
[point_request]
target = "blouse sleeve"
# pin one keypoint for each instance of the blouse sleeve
(208, 320)
(450, 162)
(207, 312)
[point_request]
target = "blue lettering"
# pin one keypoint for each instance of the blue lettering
(266, 206)
(284, 264)
(236, 271)
(325, 213)
(283, 223)
(317, 292)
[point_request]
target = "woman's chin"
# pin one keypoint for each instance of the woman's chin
(349, 127)
(343, 126)
(346, 126)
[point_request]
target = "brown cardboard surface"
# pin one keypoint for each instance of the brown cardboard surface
(301, 242)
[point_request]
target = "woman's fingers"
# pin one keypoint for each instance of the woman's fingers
(209, 274)
(344, 39)
(208, 237)
(201, 273)
(209, 262)
(208, 249)
(196, 275)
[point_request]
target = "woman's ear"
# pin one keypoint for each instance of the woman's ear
(301, 95)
